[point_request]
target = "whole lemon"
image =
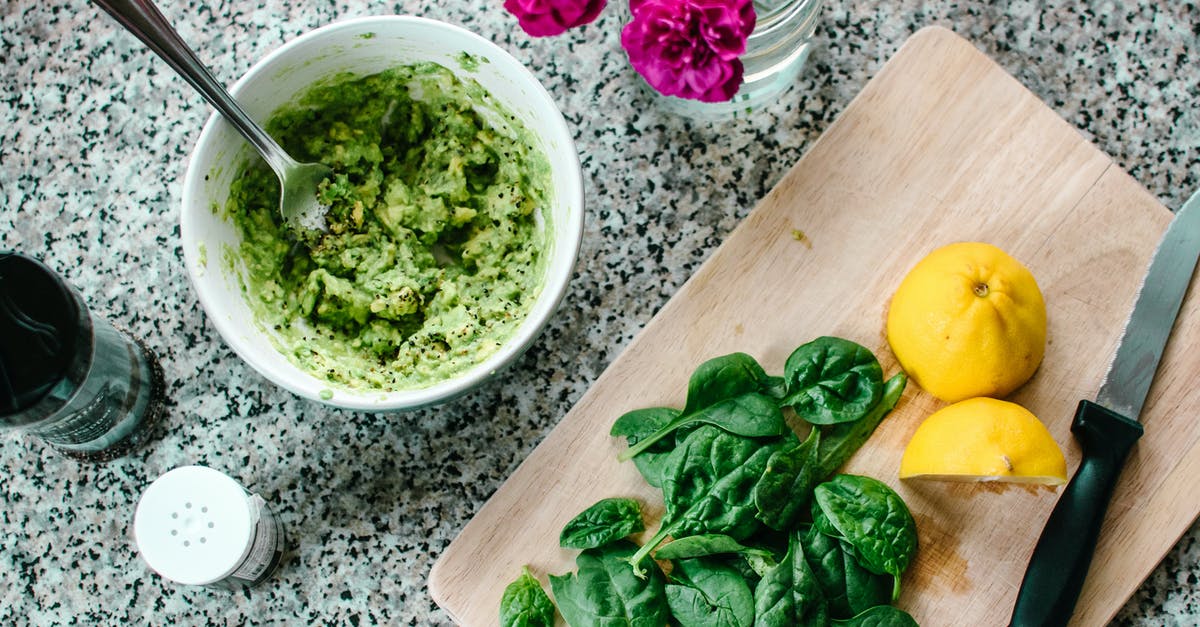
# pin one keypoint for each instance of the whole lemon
(984, 439)
(968, 320)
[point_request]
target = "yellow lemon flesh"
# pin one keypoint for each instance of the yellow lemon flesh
(984, 439)
(968, 320)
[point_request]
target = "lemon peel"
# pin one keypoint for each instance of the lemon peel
(968, 320)
(984, 439)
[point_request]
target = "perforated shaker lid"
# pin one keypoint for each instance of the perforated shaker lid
(194, 525)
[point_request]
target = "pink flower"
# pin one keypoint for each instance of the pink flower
(689, 48)
(543, 18)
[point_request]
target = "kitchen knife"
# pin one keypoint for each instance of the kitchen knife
(1106, 430)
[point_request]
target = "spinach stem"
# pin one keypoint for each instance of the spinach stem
(649, 440)
(844, 439)
(645, 549)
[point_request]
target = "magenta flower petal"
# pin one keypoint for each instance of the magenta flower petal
(689, 48)
(544, 18)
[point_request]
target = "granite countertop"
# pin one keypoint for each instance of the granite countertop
(95, 138)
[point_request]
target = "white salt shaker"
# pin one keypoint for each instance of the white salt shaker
(197, 526)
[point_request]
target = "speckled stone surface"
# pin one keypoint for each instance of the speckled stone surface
(94, 139)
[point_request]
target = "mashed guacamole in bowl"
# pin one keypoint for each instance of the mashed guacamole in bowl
(435, 249)
(455, 215)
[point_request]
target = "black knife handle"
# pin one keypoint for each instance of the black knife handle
(1063, 553)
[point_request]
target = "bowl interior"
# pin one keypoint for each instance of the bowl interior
(367, 46)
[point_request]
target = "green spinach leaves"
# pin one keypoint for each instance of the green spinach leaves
(840, 441)
(872, 519)
(789, 594)
(604, 522)
(525, 604)
(831, 380)
(708, 486)
(849, 588)
(783, 490)
(604, 590)
(706, 593)
(759, 533)
(639, 424)
(729, 376)
(729, 392)
(879, 616)
(705, 545)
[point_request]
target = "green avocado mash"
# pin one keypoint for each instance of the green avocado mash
(437, 230)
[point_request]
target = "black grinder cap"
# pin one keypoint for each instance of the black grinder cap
(39, 328)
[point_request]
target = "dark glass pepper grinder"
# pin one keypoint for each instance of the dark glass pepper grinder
(67, 376)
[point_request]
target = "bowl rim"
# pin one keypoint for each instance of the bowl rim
(567, 238)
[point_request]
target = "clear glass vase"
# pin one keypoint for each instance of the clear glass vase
(775, 54)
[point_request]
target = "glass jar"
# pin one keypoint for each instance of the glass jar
(68, 376)
(776, 52)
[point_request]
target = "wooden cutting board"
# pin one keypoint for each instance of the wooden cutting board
(941, 146)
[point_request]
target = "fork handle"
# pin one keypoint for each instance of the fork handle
(146, 22)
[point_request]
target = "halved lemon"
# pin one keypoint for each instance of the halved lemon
(984, 439)
(968, 320)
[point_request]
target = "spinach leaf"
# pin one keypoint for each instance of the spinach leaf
(640, 424)
(725, 377)
(706, 593)
(606, 521)
(752, 565)
(729, 468)
(704, 545)
(708, 486)
(525, 604)
(849, 588)
(822, 524)
(605, 591)
(732, 392)
(786, 485)
(760, 564)
(751, 415)
(879, 616)
(832, 380)
(792, 472)
(873, 519)
(789, 595)
(775, 387)
(840, 441)
(741, 564)
(711, 463)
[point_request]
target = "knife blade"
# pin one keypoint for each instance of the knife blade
(1107, 429)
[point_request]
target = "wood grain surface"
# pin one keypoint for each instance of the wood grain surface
(941, 146)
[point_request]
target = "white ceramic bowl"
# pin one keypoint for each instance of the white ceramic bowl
(366, 46)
